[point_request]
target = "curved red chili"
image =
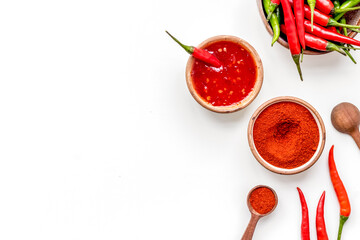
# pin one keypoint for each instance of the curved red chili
(206, 57)
(305, 229)
(199, 53)
(325, 6)
(345, 208)
(320, 222)
(329, 35)
(292, 34)
(318, 43)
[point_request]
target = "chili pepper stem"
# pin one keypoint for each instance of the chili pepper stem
(349, 47)
(350, 56)
(188, 49)
(343, 220)
(334, 47)
(343, 20)
(334, 23)
(312, 4)
(337, 11)
(354, 30)
(296, 59)
(312, 19)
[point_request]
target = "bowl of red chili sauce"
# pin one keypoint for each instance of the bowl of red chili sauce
(286, 135)
(235, 84)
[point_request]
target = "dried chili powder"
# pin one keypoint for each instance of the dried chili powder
(262, 200)
(286, 135)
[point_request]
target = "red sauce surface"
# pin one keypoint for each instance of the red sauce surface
(232, 82)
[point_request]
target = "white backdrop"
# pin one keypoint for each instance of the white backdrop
(100, 138)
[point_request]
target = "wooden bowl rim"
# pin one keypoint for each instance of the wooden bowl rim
(322, 135)
(252, 210)
(282, 41)
(258, 82)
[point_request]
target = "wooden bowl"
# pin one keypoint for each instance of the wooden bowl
(319, 150)
(352, 18)
(252, 95)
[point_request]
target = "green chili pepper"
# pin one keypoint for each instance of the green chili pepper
(278, 15)
(274, 4)
(274, 21)
(312, 4)
(345, 5)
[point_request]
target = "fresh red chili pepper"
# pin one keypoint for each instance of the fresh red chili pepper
(299, 17)
(305, 229)
(321, 44)
(292, 34)
(318, 43)
(345, 208)
(329, 35)
(274, 4)
(325, 6)
(320, 222)
(199, 53)
(332, 28)
(324, 20)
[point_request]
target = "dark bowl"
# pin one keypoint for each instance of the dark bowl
(352, 18)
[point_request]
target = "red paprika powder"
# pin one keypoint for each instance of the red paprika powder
(262, 200)
(286, 135)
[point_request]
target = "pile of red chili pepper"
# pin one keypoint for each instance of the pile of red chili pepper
(342, 197)
(318, 25)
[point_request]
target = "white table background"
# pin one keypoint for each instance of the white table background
(100, 138)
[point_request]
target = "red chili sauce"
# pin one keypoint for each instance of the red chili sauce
(232, 82)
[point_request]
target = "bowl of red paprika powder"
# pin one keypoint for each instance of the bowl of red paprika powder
(286, 135)
(235, 84)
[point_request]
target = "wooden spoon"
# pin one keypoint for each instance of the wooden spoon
(255, 216)
(345, 117)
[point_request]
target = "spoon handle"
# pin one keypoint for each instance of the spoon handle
(356, 136)
(249, 232)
